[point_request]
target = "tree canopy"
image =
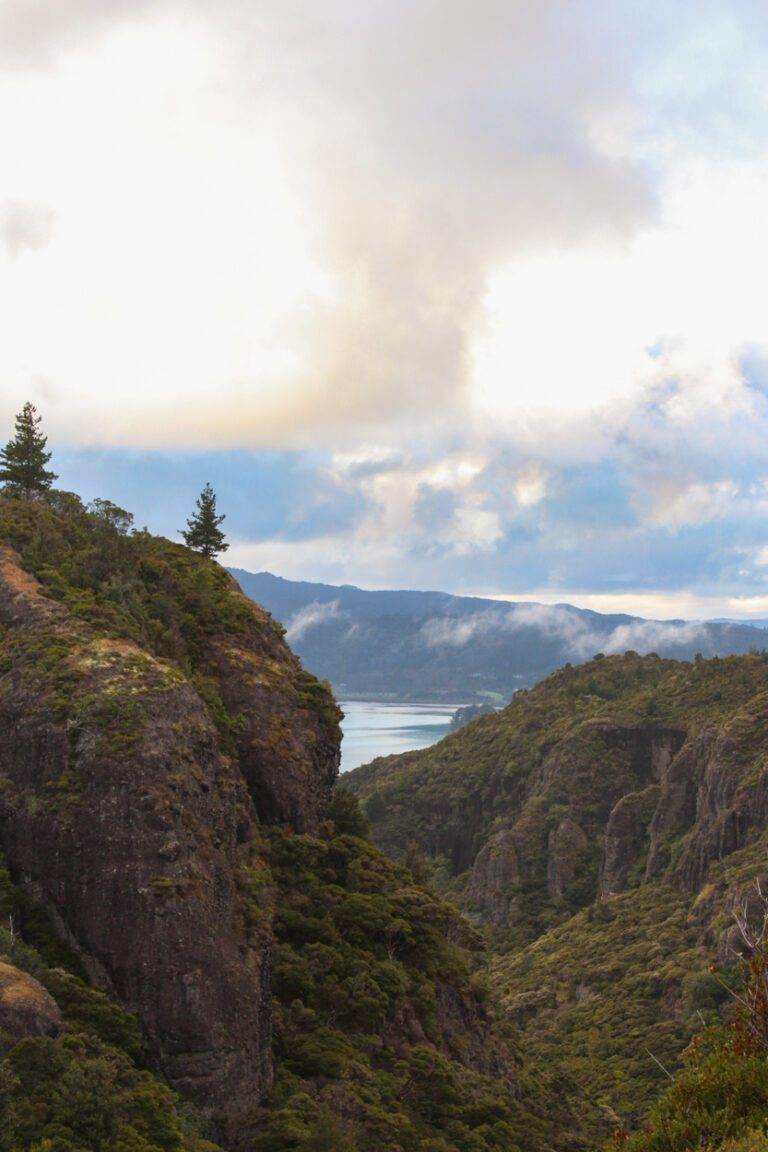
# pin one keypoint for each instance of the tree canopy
(23, 460)
(202, 532)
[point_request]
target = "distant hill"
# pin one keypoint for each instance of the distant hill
(432, 646)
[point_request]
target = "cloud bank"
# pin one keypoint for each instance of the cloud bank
(562, 624)
(470, 294)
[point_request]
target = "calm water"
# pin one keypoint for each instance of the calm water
(380, 729)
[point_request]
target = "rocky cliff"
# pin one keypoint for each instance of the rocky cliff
(128, 814)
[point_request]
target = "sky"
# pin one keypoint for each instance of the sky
(436, 294)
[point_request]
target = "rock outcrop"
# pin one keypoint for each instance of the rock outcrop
(26, 1008)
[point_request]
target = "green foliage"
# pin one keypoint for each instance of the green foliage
(87, 1010)
(345, 815)
(24, 916)
(364, 963)
(720, 1093)
(76, 1094)
(202, 533)
(23, 461)
(449, 798)
(137, 586)
(317, 696)
(382, 1034)
(617, 985)
(83, 1090)
(606, 987)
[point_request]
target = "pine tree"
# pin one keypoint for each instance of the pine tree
(202, 531)
(23, 460)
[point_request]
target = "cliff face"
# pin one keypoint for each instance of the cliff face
(124, 810)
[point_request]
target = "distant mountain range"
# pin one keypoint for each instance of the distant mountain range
(435, 647)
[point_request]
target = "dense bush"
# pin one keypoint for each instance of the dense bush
(382, 1038)
(159, 594)
(84, 1091)
(76, 1094)
(366, 1058)
(719, 1100)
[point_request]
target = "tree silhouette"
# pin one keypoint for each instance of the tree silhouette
(23, 460)
(202, 532)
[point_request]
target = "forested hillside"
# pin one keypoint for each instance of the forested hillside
(431, 646)
(600, 830)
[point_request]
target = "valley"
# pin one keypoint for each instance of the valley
(501, 942)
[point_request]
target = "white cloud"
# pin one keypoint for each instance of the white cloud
(530, 486)
(26, 227)
(666, 502)
(459, 246)
(558, 622)
(275, 222)
(309, 617)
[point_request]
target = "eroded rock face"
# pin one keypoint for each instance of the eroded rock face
(492, 893)
(593, 808)
(567, 851)
(627, 839)
(288, 747)
(120, 809)
(26, 1008)
(582, 826)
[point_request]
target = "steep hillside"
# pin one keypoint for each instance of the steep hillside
(166, 812)
(599, 828)
(431, 646)
(134, 775)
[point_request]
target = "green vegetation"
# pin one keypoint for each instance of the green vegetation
(394, 1029)
(202, 533)
(140, 587)
(604, 896)
(23, 461)
(371, 975)
(613, 995)
(382, 1034)
(719, 1099)
(85, 1090)
(486, 767)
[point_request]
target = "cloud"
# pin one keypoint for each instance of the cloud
(649, 635)
(26, 227)
(554, 621)
(489, 275)
(298, 207)
(33, 32)
(671, 503)
(309, 617)
(561, 623)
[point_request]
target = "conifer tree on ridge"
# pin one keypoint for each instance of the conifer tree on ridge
(23, 461)
(202, 532)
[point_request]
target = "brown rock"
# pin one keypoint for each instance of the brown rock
(26, 1008)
